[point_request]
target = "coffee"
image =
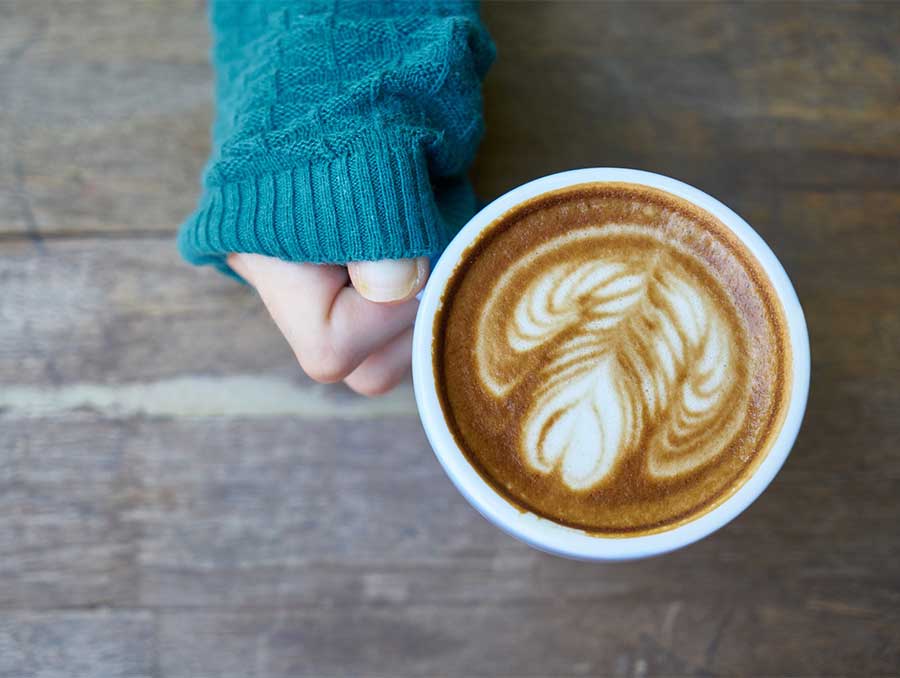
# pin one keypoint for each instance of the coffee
(613, 358)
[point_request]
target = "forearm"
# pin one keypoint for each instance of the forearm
(334, 124)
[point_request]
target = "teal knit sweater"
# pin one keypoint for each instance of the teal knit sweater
(343, 129)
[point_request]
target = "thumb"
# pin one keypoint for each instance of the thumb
(389, 280)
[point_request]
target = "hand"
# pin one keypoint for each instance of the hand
(361, 334)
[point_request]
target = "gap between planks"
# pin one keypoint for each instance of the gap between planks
(202, 396)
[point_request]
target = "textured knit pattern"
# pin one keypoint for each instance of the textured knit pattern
(343, 129)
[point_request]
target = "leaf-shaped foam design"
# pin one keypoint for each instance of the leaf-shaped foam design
(578, 427)
(629, 350)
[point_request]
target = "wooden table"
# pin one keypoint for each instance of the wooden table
(177, 500)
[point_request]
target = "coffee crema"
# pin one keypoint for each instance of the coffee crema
(611, 357)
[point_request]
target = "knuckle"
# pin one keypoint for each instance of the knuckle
(325, 360)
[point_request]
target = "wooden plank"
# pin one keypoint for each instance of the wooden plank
(65, 489)
(78, 644)
(266, 513)
(126, 310)
(725, 96)
(616, 638)
(105, 117)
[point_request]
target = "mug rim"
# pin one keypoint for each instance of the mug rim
(543, 533)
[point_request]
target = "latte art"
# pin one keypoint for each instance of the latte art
(611, 357)
(622, 343)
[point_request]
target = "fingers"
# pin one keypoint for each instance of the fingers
(384, 369)
(389, 280)
(330, 327)
(313, 285)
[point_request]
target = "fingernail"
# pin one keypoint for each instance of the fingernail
(388, 280)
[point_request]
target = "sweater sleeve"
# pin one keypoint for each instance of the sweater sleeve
(343, 129)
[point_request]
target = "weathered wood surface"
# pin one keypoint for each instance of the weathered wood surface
(103, 116)
(108, 643)
(177, 500)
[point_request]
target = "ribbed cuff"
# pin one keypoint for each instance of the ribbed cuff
(373, 203)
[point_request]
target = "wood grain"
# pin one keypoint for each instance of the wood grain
(290, 529)
(79, 644)
(105, 113)
(65, 493)
(126, 310)
(526, 640)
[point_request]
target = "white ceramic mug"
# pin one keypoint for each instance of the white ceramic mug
(542, 533)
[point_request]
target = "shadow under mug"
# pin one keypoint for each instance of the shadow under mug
(540, 532)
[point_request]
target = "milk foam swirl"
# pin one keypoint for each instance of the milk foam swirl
(631, 350)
